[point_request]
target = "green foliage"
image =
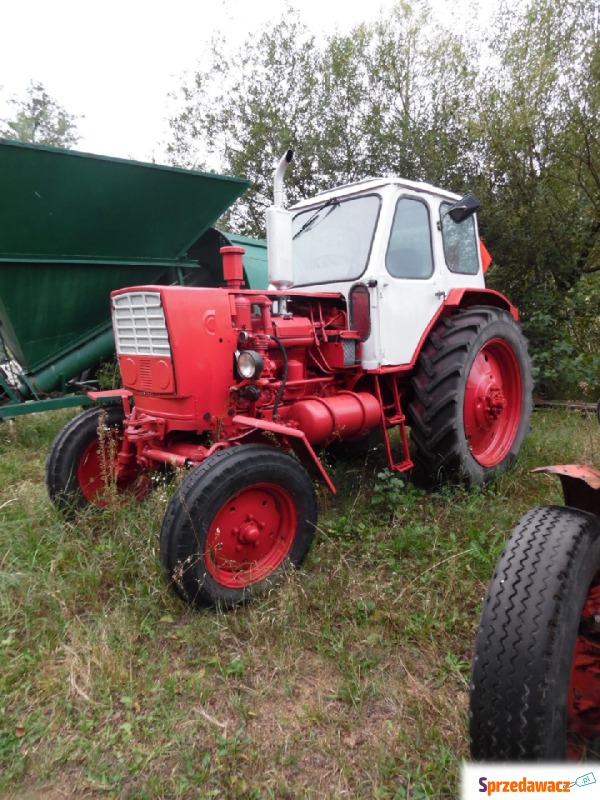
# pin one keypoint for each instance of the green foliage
(564, 340)
(388, 490)
(41, 120)
(108, 374)
(563, 329)
(538, 133)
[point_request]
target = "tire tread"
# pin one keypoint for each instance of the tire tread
(521, 665)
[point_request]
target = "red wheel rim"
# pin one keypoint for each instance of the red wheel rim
(493, 399)
(583, 705)
(98, 471)
(250, 535)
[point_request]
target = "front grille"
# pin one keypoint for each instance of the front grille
(140, 327)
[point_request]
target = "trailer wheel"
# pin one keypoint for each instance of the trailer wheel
(236, 523)
(535, 686)
(80, 469)
(472, 397)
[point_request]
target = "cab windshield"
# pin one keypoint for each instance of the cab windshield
(332, 241)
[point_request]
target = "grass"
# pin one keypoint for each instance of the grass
(349, 680)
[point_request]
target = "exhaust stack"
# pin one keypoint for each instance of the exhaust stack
(279, 232)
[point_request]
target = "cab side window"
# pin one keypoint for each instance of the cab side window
(409, 253)
(461, 245)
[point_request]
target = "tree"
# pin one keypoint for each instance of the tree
(41, 120)
(539, 139)
(241, 112)
(378, 100)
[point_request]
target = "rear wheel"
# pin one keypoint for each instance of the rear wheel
(471, 396)
(236, 522)
(535, 687)
(82, 467)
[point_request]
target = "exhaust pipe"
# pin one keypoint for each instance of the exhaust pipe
(286, 160)
(279, 233)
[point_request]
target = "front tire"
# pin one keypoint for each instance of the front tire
(472, 397)
(81, 466)
(236, 523)
(535, 686)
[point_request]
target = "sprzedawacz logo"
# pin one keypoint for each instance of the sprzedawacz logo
(527, 785)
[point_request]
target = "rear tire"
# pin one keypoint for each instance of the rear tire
(472, 397)
(81, 464)
(236, 523)
(535, 685)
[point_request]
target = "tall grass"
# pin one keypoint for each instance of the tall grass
(349, 680)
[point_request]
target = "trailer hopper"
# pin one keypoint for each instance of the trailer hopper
(75, 226)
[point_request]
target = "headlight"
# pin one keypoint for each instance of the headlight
(249, 364)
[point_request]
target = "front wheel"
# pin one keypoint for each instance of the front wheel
(236, 522)
(472, 396)
(535, 686)
(82, 466)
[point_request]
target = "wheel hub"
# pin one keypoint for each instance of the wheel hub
(492, 402)
(583, 715)
(249, 531)
(250, 535)
(102, 468)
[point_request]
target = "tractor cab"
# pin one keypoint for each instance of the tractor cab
(409, 244)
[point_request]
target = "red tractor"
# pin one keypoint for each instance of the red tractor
(389, 326)
(535, 686)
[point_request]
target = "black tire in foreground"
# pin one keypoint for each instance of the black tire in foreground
(80, 469)
(535, 685)
(236, 523)
(472, 397)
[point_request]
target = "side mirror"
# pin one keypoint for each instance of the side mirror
(464, 208)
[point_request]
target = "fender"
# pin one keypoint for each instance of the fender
(465, 298)
(299, 443)
(580, 485)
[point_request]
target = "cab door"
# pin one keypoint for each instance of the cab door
(411, 287)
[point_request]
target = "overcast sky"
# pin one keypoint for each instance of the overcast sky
(115, 62)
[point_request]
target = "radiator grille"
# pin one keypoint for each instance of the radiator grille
(140, 327)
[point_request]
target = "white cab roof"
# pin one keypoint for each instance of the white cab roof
(376, 184)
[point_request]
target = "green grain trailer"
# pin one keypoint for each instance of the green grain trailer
(75, 226)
